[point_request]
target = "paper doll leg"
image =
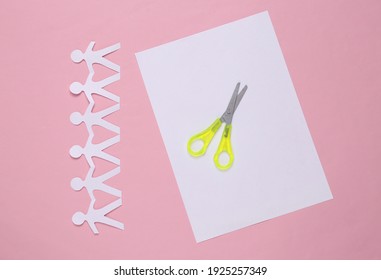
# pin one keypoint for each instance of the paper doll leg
(108, 157)
(106, 124)
(112, 223)
(111, 207)
(107, 63)
(109, 110)
(110, 190)
(105, 145)
(110, 174)
(109, 80)
(108, 95)
(109, 142)
(110, 126)
(109, 49)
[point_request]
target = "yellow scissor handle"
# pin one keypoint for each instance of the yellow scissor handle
(205, 137)
(224, 147)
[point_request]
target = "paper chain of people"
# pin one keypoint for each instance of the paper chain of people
(91, 150)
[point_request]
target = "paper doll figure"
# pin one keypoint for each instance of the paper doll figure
(91, 87)
(98, 216)
(91, 57)
(95, 150)
(90, 118)
(96, 183)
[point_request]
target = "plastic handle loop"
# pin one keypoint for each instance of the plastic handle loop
(205, 136)
(224, 147)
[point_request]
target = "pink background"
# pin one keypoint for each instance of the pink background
(333, 52)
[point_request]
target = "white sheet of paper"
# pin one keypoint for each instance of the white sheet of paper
(276, 168)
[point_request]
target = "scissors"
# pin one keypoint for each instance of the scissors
(206, 136)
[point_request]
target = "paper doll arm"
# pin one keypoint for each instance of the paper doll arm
(90, 138)
(93, 227)
(89, 79)
(89, 175)
(88, 87)
(90, 57)
(90, 161)
(90, 47)
(89, 110)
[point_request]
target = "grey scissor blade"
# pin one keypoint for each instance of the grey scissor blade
(239, 97)
(228, 114)
(233, 99)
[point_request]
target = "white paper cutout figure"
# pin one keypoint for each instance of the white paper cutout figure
(96, 183)
(96, 57)
(91, 87)
(90, 150)
(98, 216)
(90, 119)
(95, 150)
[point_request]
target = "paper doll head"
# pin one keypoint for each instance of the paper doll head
(77, 184)
(76, 118)
(76, 151)
(78, 218)
(76, 88)
(77, 56)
